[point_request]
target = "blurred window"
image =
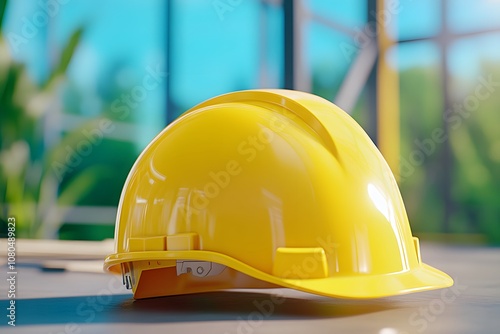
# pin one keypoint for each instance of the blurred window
(137, 65)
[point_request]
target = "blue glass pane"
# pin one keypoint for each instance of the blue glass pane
(465, 15)
(218, 47)
(415, 19)
(25, 40)
(414, 55)
(468, 56)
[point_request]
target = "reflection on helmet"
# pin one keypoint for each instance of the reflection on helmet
(266, 188)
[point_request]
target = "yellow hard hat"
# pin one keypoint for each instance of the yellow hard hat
(266, 188)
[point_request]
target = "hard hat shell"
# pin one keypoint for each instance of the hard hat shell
(266, 188)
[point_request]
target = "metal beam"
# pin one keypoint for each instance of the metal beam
(170, 106)
(297, 74)
(289, 44)
(388, 130)
(446, 163)
(451, 35)
(356, 78)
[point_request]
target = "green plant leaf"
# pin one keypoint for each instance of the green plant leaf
(3, 5)
(66, 56)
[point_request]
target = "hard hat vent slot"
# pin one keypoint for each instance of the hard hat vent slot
(300, 263)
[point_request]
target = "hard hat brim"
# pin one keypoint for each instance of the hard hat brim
(359, 286)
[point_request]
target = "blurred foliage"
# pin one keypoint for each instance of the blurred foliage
(421, 111)
(476, 176)
(28, 190)
(32, 186)
(475, 146)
